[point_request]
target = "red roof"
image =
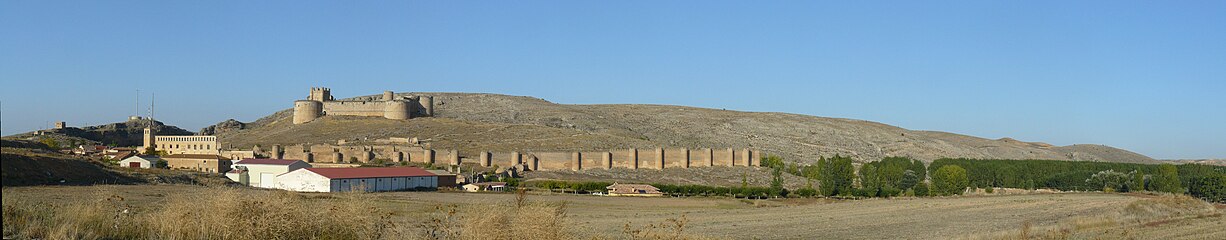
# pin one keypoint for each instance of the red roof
(343, 173)
(267, 161)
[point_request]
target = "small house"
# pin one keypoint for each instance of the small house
(140, 162)
(485, 187)
(636, 190)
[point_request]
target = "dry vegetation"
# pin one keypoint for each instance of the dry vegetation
(1154, 217)
(118, 212)
(196, 212)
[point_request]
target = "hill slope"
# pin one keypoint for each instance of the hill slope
(473, 122)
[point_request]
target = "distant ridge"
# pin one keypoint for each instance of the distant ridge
(474, 122)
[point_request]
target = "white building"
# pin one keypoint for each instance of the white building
(262, 172)
(140, 162)
(485, 187)
(356, 179)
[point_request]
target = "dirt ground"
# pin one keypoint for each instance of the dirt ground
(914, 218)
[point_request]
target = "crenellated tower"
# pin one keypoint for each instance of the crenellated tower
(320, 103)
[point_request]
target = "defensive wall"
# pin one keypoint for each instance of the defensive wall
(320, 103)
(652, 158)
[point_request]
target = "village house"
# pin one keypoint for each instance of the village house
(198, 162)
(357, 179)
(485, 187)
(635, 190)
(262, 172)
(140, 162)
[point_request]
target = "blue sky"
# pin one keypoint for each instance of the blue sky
(1147, 76)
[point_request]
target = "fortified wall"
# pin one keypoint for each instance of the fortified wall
(656, 158)
(320, 103)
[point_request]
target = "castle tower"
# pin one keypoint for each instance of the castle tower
(320, 95)
(427, 102)
(307, 110)
(388, 96)
(398, 110)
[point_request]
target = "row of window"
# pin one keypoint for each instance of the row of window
(189, 146)
(192, 138)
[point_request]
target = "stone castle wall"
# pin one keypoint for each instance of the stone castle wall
(541, 161)
(320, 103)
(354, 108)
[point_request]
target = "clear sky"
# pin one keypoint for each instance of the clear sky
(1147, 76)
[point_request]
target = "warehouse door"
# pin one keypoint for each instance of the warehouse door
(267, 179)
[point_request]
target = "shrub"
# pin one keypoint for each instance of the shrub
(1111, 181)
(949, 180)
(921, 189)
(1210, 188)
(806, 192)
(1167, 179)
(837, 175)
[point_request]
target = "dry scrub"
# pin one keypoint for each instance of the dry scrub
(207, 213)
(241, 213)
(1129, 222)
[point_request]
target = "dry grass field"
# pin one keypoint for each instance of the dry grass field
(414, 214)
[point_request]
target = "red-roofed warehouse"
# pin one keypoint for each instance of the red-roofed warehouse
(357, 179)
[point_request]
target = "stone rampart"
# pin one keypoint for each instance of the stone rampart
(544, 160)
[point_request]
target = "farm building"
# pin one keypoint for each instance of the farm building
(198, 162)
(636, 190)
(262, 172)
(485, 187)
(356, 179)
(140, 162)
(445, 179)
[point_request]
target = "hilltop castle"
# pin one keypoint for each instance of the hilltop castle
(390, 106)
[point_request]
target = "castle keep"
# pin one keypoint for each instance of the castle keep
(390, 106)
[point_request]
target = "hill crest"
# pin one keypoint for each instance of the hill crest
(481, 121)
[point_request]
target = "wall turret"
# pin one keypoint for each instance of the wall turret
(307, 110)
(427, 102)
(398, 110)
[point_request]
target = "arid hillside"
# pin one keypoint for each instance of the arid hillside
(473, 122)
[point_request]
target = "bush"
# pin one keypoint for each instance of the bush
(1210, 188)
(806, 192)
(1167, 179)
(837, 175)
(949, 180)
(921, 189)
(1111, 181)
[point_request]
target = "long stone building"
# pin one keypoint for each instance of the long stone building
(320, 103)
(181, 144)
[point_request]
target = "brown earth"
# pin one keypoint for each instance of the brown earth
(1073, 215)
(473, 122)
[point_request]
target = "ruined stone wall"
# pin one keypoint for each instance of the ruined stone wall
(355, 108)
(618, 158)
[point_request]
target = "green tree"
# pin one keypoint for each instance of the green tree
(776, 188)
(838, 174)
(1110, 180)
(1209, 188)
(909, 179)
(1167, 179)
(949, 180)
(921, 189)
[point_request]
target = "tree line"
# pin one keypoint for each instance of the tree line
(837, 176)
